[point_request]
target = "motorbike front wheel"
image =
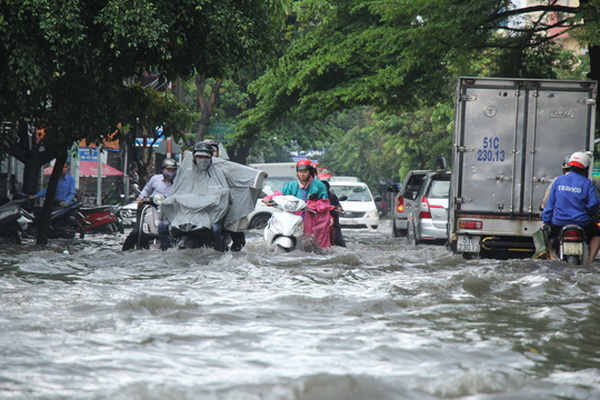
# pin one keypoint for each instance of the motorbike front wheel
(77, 227)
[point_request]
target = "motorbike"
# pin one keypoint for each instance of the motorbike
(188, 236)
(101, 219)
(285, 229)
(10, 227)
(64, 222)
(150, 218)
(572, 245)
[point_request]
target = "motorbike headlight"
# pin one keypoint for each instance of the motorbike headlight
(373, 214)
(276, 224)
(158, 198)
(298, 227)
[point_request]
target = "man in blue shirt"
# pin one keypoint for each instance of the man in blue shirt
(574, 200)
(160, 183)
(65, 189)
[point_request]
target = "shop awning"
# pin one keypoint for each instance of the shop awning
(90, 169)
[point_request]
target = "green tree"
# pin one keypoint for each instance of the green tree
(66, 64)
(405, 55)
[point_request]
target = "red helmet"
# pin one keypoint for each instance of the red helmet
(303, 164)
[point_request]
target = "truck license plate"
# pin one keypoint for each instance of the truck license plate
(572, 248)
(468, 244)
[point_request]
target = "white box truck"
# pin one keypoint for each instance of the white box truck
(510, 138)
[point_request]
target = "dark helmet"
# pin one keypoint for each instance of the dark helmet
(169, 163)
(203, 149)
(303, 164)
(214, 144)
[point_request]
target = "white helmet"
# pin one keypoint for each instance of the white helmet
(580, 159)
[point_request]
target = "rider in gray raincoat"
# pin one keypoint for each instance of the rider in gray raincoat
(211, 193)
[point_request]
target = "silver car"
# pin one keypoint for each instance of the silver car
(403, 201)
(428, 220)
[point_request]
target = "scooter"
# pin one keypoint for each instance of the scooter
(190, 237)
(101, 219)
(10, 229)
(285, 229)
(64, 222)
(572, 246)
(150, 218)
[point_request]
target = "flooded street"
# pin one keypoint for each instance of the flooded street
(381, 319)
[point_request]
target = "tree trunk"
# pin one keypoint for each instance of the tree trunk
(26, 150)
(594, 53)
(44, 227)
(206, 106)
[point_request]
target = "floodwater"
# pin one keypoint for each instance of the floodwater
(381, 319)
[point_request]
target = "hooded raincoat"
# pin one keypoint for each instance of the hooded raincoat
(224, 193)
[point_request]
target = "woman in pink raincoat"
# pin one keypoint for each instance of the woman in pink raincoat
(317, 219)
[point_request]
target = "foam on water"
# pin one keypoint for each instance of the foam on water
(380, 319)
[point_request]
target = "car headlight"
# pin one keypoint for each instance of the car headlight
(373, 214)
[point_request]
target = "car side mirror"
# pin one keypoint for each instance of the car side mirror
(378, 198)
(393, 188)
(408, 195)
(343, 198)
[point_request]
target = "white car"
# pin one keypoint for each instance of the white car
(360, 210)
(128, 214)
(258, 218)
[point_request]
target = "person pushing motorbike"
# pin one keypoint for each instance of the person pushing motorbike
(317, 221)
(160, 183)
(573, 199)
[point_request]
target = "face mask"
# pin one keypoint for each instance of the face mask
(203, 163)
(169, 175)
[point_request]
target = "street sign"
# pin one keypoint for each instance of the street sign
(221, 132)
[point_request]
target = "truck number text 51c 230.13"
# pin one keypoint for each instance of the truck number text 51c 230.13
(491, 150)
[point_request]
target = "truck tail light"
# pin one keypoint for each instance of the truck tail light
(469, 224)
(400, 206)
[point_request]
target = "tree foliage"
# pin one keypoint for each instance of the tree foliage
(66, 65)
(402, 59)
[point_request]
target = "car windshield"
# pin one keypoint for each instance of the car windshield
(277, 182)
(439, 189)
(354, 193)
(414, 182)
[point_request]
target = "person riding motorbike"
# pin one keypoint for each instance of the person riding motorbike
(565, 168)
(574, 200)
(160, 183)
(313, 191)
(203, 154)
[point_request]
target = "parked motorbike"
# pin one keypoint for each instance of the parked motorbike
(572, 246)
(10, 229)
(64, 222)
(101, 219)
(285, 230)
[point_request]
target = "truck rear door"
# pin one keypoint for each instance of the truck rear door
(511, 137)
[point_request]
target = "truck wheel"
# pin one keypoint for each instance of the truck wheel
(471, 256)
